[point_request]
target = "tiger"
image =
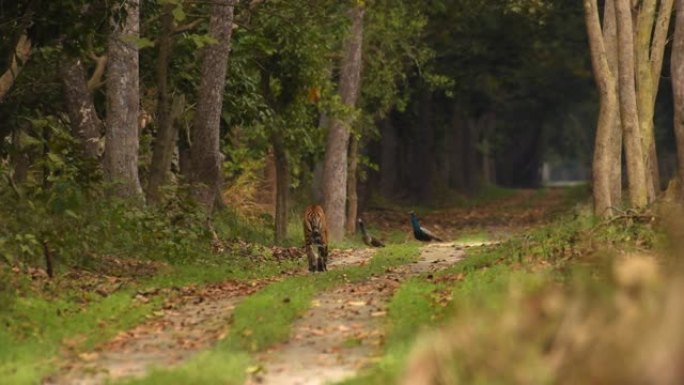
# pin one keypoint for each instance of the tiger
(316, 238)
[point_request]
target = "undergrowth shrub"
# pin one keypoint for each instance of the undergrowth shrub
(580, 301)
(78, 228)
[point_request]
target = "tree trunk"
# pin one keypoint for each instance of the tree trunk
(335, 171)
(282, 187)
(317, 178)
(184, 160)
(18, 157)
(488, 169)
(603, 54)
(613, 156)
(649, 51)
(677, 71)
(424, 163)
(388, 157)
(352, 196)
(470, 161)
(85, 124)
(123, 103)
(162, 153)
(204, 151)
(454, 145)
(636, 170)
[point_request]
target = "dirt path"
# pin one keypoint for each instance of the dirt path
(195, 319)
(338, 336)
(342, 331)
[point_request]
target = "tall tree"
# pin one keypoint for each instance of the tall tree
(204, 150)
(629, 113)
(166, 134)
(652, 25)
(86, 125)
(600, 44)
(335, 168)
(677, 69)
(352, 194)
(614, 149)
(123, 101)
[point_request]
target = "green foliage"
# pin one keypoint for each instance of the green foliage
(394, 50)
(219, 366)
(492, 284)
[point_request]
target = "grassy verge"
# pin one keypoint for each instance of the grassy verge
(266, 318)
(39, 323)
(492, 317)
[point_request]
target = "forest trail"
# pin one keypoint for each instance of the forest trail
(193, 321)
(339, 335)
(342, 332)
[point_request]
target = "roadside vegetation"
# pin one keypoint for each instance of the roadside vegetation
(555, 305)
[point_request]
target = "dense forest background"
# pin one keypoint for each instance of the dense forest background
(279, 103)
(156, 157)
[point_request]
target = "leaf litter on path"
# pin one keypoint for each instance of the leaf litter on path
(192, 319)
(342, 332)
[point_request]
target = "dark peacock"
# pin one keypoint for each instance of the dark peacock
(367, 238)
(421, 233)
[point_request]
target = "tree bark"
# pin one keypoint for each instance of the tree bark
(85, 124)
(649, 51)
(614, 147)
(636, 170)
(335, 171)
(608, 109)
(18, 157)
(282, 186)
(424, 139)
(317, 178)
(456, 158)
(123, 103)
(352, 196)
(388, 157)
(204, 151)
(677, 71)
(166, 130)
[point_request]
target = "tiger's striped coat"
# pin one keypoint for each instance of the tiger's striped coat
(316, 238)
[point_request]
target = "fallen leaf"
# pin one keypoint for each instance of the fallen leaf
(253, 369)
(89, 356)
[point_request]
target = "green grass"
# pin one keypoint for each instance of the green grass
(34, 329)
(38, 322)
(219, 366)
(472, 236)
(266, 317)
(490, 285)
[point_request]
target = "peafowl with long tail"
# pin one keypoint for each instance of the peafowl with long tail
(421, 233)
(367, 238)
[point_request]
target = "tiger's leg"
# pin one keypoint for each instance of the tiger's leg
(323, 251)
(311, 258)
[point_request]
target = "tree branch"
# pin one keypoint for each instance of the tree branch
(597, 46)
(660, 38)
(21, 54)
(95, 80)
(187, 27)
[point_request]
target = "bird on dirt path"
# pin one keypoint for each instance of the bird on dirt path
(367, 238)
(421, 233)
